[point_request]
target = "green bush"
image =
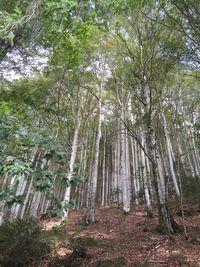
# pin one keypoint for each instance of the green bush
(22, 243)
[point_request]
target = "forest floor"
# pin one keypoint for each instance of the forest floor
(125, 240)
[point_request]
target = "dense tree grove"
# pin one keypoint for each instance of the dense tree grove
(106, 111)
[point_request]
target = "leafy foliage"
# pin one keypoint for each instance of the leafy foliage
(9, 197)
(16, 167)
(59, 206)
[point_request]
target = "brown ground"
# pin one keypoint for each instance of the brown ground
(132, 239)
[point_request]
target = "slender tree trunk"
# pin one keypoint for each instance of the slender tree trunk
(71, 164)
(145, 178)
(166, 221)
(170, 155)
(124, 166)
(91, 213)
(134, 173)
(103, 173)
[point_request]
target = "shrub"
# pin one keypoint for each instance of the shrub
(191, 190)
(22, 243)
(80, 245)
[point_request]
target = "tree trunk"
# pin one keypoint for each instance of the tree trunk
(169, 154)
(91, 212)
(71, 164)
(124, 166)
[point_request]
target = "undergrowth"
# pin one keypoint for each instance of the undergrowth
(22, 243)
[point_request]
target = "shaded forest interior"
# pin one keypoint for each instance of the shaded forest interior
(99, 133)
